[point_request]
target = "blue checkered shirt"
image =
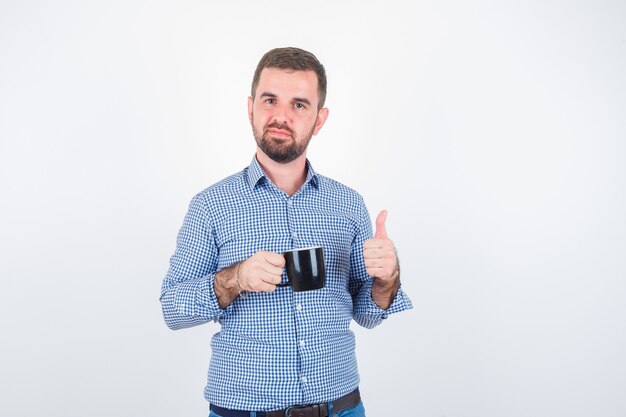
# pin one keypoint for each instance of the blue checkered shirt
(281, 348)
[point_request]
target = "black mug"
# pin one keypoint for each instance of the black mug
(305, 269)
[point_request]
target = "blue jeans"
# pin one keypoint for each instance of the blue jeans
(358, 411)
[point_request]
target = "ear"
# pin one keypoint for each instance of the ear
(322, 115)
(250, 105)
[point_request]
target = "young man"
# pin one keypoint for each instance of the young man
(279, 349)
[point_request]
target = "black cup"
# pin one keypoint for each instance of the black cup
(305, 269)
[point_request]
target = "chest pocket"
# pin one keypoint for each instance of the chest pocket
(336, 235)
(329, 232)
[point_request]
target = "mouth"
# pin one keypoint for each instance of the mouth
(279, 133)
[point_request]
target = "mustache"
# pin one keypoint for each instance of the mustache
(281, 126)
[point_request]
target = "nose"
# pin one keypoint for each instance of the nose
(281, 114)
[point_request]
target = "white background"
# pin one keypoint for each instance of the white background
(492, 131)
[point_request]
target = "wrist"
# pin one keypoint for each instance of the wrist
(389, 285)
(391, 282)
(240, 290)
(384, 290)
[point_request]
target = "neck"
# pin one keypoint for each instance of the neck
(288, 177)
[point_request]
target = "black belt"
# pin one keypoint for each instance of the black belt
(314, 410)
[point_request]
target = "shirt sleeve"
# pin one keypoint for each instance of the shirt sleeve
(365, 311)
(187, 294)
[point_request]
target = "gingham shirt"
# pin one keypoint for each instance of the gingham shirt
(281, 348)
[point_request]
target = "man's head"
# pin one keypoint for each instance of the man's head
(286, 106)
(292, 59)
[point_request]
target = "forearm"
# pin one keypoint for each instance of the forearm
(384, 292)
(226, 285)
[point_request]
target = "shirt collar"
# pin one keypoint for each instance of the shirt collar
(256, 173)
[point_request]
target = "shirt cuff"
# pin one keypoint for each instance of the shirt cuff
(370, 313)
(196, 298)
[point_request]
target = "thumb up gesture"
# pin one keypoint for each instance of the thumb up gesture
(380, 255)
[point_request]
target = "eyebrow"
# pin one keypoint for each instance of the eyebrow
(302, 100)
(267, 94)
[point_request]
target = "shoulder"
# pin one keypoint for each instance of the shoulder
(327, 184)
(222, 192)
(226, 185)
(342, 196)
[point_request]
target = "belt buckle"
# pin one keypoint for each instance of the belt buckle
(294, 407)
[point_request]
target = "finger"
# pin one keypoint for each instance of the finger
(272, 270)
(374, 271)
(371, 244)
(275, 259)
(271, 278)
(381, 231)
(374, 263)
(264, 287)
(373, 253)
(379, 263)
(376, 243)
(385, 245)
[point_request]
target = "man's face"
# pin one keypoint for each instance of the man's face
(284, 113)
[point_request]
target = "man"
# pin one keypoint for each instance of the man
(278, 349)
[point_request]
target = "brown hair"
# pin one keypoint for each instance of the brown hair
(295, 59)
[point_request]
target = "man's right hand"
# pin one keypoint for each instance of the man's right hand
(261, 272)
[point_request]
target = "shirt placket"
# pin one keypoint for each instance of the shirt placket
(299, 301)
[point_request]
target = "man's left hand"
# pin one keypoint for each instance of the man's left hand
(380, 255)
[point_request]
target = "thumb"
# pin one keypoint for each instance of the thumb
(381, 231)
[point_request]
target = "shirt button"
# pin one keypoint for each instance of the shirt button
(302, 343)
(299, 307)
(304, 379)
(294, 235)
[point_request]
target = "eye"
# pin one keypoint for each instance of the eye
(299, 105)
(270, 100)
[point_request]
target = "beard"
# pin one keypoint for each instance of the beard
(281, 150)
